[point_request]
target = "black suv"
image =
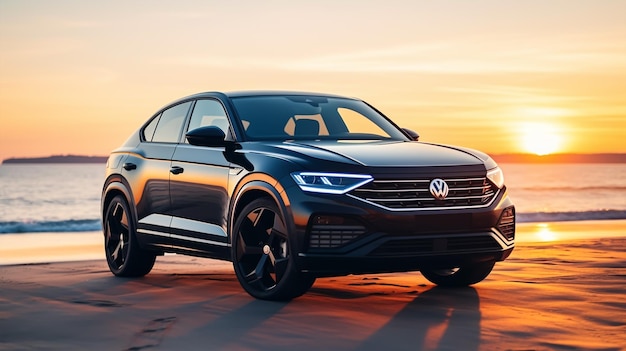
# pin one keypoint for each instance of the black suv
(292, 186)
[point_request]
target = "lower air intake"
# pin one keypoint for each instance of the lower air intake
(506, 224)
(332, 236)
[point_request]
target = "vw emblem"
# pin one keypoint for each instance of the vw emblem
(439, 189)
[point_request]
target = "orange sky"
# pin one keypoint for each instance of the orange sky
(501, 76)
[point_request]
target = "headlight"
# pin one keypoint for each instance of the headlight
(329, 183)
(496, 177)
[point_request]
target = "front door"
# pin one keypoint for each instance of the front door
(199, 188)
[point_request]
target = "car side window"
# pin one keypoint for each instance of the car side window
(209, 113)
(148, 130)
(171, 123)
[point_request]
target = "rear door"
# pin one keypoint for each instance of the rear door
(148, 172)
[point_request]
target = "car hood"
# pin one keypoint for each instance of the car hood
(384, 153)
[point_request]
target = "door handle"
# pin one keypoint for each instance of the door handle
(129, 166)
(177, 170)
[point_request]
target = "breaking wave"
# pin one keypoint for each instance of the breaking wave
(72, 225)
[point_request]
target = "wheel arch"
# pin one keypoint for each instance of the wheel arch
(253, 190)
(113, 186)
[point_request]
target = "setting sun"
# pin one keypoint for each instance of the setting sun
(541, 138)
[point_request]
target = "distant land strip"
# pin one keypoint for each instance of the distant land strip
(58, 159)
(560, 158)
(501, 158)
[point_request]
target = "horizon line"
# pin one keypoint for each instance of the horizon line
(598, 157)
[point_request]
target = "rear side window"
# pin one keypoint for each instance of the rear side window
(170, 124)
(148, 131)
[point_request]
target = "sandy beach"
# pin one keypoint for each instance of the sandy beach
(562, 289)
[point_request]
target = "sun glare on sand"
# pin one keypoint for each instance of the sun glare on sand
(541, 138)
(543, 232)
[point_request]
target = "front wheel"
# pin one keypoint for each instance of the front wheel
(124, 256)
(263, 261)
(464, 275)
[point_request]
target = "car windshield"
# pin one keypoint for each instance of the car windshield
(312, 117)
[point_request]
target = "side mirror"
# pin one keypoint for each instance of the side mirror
(413, 135)
(206, 136)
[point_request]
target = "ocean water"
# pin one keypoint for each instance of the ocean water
(50, 197)
(66, 197)
(567, 192)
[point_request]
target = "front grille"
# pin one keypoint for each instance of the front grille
(451, 245)
(506, 224)
(407, 194)
(330, 236)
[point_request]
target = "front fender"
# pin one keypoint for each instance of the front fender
(258, 185)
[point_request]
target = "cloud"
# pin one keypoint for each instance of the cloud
(471, 58)
(461, 58)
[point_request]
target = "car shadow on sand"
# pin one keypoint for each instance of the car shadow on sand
(330, 317)
(340, 314)
(437, 319)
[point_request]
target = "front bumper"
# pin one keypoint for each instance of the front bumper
(333, 265)
(338, 235)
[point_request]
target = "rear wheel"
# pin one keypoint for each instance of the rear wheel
(263, 261)
(124, 256)
(459, 276)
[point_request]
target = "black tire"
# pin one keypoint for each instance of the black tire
(459, 276)
(262, 257)
(124, 256)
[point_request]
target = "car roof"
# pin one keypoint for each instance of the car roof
(248, 93)
(252, 93)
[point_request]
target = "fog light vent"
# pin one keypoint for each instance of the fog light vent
(506, 224)
(332, 231)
